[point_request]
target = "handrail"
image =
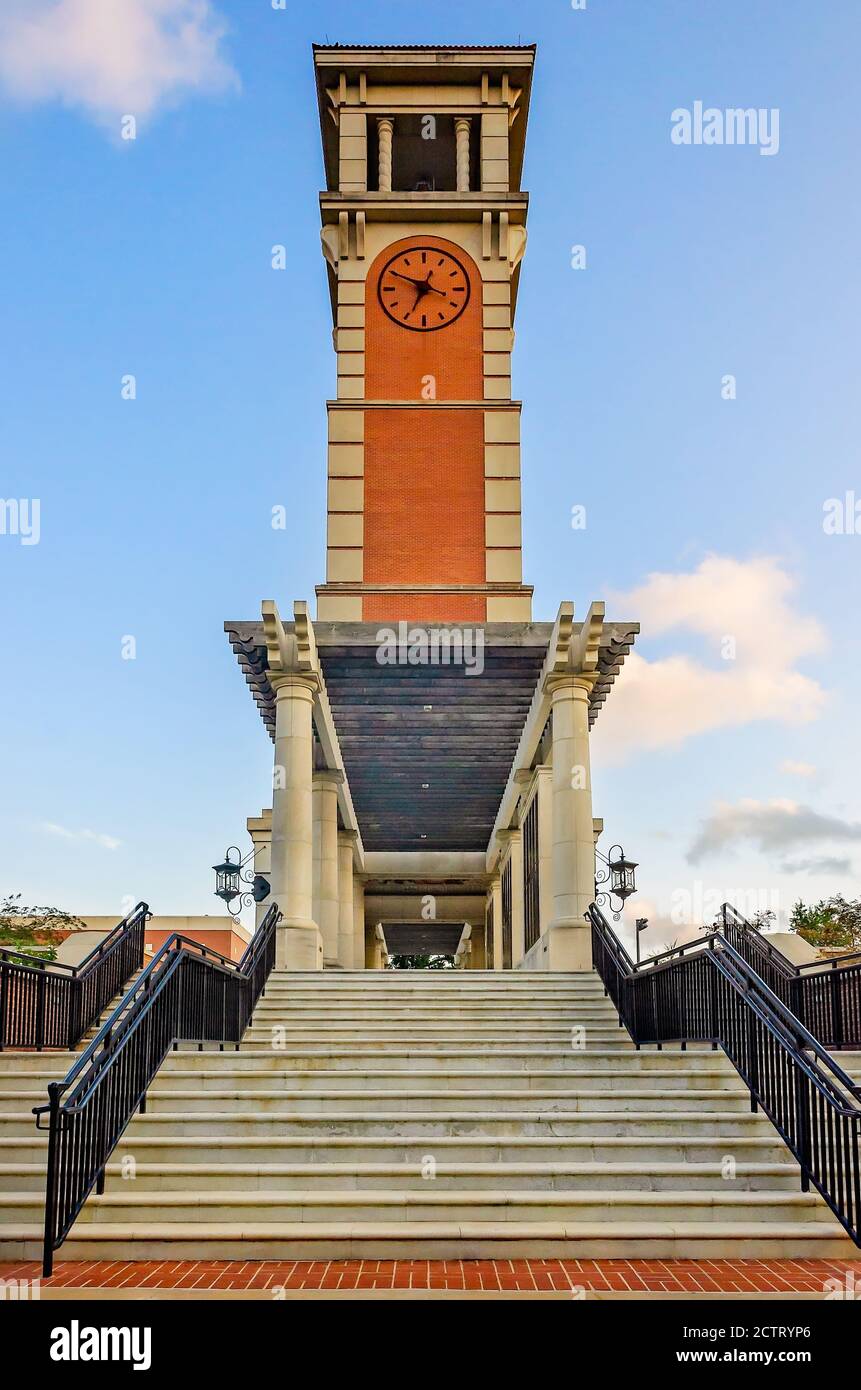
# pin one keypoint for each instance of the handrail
(188, 993)
(824, 995)
(83, 966)
(783, 962)
(714, 995)
(51, 1004)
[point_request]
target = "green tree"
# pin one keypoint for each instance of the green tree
(421, 963)
(832, 922)
(35, 931)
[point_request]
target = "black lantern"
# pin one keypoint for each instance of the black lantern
(623, 880)
(620, 873)
(229, 880)
(228, 876)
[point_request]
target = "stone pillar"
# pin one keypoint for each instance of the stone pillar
(345, 898)
(573, 861)
(496, 896)
(299, 945)
(374, 940)
(544, 794)
(260, 830)
(385, 132)
(518, 919)
(358, 958)
(462, 128)
(326, 905)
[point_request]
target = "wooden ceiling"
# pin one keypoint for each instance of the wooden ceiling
(428, 749)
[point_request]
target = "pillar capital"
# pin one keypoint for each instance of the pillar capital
(293, 685)
(577, 684)
(329, 777)
(511, 835)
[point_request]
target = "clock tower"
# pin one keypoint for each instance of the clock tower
(423, 230)
(425, 726)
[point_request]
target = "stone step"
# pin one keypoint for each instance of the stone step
(416, 1047)
(447, 1176)
(475, 982)
(356, 1065)
(439, 998)
(753, 1146)
(433, 980)
(243, 1206)
(331, 1103)
(498, 1016)
(414, 1123)
(322, 1083)
(650, 1237)
(309, 1037)
(527, 1058)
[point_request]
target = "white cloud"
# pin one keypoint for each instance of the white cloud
(660, 703)
(818, 864)
(105, 841)
(797, 769)
(767, 825)
(111, 57)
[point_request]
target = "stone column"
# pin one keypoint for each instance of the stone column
(518, 916)
(326, 904)
(385, 132)
(374, 947)
(345, 898)
(462, 129)
(358, 958)
(573, 855)
(299, 946)
(544, 794)
(260, 830)
(496, 896)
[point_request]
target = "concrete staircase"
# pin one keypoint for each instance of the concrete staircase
(435, 1114)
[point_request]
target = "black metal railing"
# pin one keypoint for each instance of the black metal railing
(188, 993)
(50, 1004)
(824, 995)
(707, 992)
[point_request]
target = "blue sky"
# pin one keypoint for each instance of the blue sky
(152, 257)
